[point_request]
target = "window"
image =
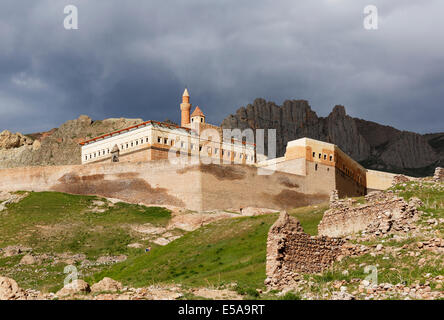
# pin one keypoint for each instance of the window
(165, 141)
(201, 119)
(325, 157)
(181, 144)
(146, 139)
(172, 142)
(192, 146)
(127, 145)
(223, 152)
(234, 154)
(192, 119)
(331, 158)
(316, 167)
(314, 154)
(320, 156)
(159, 139)
(200, 148)
(141, 141)
(137, 142)
(216, 150)
(86, 157)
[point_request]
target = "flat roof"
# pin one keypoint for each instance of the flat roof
(142, 124)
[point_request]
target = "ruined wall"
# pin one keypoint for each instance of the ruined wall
(291, 251)
(382, 213)
(439, 174)
(196, 187)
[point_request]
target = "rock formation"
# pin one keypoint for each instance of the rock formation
(375, 146)
(58, 146)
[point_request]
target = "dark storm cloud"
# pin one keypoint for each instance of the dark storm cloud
(133, 59)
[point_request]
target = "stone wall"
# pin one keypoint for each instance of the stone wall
(195, 187)
(439, 174)
(291, 251)
(382, 213)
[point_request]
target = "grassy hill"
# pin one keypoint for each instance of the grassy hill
(225, 252)
(231, 250)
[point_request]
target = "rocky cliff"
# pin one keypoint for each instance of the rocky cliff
(375, 146)
(58, 146)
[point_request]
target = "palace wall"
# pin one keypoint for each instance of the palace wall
(195, 187)
(378, 180)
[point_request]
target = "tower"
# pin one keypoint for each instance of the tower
(185, 108)
(197, 116)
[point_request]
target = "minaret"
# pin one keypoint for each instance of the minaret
(185, 108)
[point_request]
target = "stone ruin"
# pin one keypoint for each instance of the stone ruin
(400, 178)
(382, 213)
(439, 174)
(291, 251)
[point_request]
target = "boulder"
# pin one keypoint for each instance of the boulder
(76, 286)
(28, 260)
(9, 289)
(106, 285)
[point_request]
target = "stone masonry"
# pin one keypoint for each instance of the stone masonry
(291, 251)
(439, 174)
(382, 213)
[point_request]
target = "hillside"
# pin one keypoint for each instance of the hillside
(373, 145)
(59, 146)
(42, 233)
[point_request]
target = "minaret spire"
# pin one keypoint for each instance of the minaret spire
(185, 108)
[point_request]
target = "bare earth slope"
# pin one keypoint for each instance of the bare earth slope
(374, 145)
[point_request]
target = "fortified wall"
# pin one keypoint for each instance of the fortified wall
(325, 165)
(195, 187)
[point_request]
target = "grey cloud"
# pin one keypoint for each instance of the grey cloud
(133, 59)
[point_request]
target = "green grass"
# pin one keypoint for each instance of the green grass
(52, 222)
(58, 222)
(309, 217)
(225, 251)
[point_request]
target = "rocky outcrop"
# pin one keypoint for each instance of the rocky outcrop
(9, 289)
(9, 140)
(75, 287)
(106, 285)
(58, 146)
(375, 146)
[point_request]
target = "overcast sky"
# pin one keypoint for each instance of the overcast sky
(134, 58)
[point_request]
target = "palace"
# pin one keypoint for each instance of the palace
(324, 166)
(153, 140)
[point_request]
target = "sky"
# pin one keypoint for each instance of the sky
(133, 59)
